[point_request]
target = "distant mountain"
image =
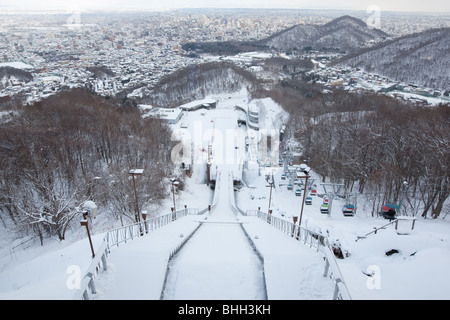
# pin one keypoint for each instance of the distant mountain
(344, 33)
(420, 58)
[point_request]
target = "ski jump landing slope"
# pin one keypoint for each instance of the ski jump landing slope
(218, 262)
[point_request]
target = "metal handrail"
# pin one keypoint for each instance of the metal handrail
(87, 284)
(316, 240)
(376, 230)
(340, 289)
(117, 236)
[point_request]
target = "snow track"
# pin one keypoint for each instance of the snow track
(218, 262)
(221, 255)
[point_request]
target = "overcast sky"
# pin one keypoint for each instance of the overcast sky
(386, 5)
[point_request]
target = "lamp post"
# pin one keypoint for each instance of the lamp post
(306, 170)
(144, 216)
(175, 182)
(84, 222)
(271, 182)
(136, 172)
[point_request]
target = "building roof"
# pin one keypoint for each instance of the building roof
(165, 114)
(197, 103)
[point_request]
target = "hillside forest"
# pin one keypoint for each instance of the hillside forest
(76, 146)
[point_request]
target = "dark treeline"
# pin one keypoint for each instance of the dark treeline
(222, 48)
(6, 73)
(73, 147)
(372, 144)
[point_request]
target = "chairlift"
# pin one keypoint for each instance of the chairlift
(324, 209)
(349, 210)
(298, 192)
(308, 200)
(389, 210)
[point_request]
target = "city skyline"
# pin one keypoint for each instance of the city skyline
(382, 5)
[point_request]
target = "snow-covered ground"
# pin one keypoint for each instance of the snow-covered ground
(17, 65)
(417, 271)
(293, 271)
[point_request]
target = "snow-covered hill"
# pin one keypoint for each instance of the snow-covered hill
(422, 59)
(417, 269)
(344, 33)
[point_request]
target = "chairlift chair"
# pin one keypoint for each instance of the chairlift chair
(389, 210)
(348, 210)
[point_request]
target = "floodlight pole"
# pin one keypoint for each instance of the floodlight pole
(174, 182)
(303, 201)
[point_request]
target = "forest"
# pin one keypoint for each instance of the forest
(382, 148)
(222, 48)
(74, 147)
(422, 59)
(370, 142)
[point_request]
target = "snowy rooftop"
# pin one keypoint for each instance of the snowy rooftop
(17, 65)
(162, 113)
(197, 103)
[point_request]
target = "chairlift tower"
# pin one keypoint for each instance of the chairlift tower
(336, 188)
(404, 196)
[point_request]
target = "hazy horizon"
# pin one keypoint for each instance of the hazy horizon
(431, 6)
